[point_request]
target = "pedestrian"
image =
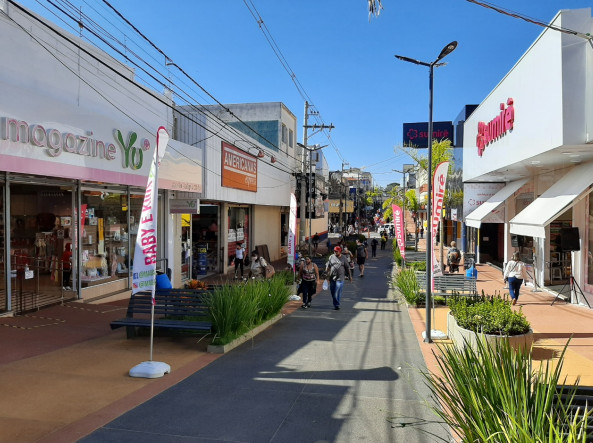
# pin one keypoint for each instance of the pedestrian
(309, 275)
(257, 270)
(315, 241)
(361, 256)
(453, 258)
(336, 271)
(350, 257)
(515, 273)
(239, 258)
(67, 265)
(383, 241)
(374, 243)
(421, 231)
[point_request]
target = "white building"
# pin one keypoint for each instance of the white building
(528, 159)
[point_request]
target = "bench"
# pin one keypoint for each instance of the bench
(172, 310)
(448, 285)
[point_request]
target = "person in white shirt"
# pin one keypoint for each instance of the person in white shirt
(239, 258)
(515, 273)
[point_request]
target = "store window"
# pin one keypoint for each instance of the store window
(205, 244)
(284, 134)
(238, 222)
(105, 252)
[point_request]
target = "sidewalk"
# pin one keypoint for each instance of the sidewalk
(553, 325)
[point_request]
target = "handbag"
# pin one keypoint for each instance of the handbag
(270, 271)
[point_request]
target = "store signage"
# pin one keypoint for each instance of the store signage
(347, 206)
(184, 206)
(56, 142)
(416, 134)
(497, 127)
(238, 169)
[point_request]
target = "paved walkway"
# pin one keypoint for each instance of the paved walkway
(317, 374)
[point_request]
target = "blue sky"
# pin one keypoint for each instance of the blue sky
(344, 61)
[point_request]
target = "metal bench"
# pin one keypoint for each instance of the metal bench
(448, 285)
(181, 309)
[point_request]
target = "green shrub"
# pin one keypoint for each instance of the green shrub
(406, 282)
(286, 276)
(488, 315)
(417, 265)
(493, 394)
(397, 256)
(236, 309)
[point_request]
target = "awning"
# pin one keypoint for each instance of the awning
(474, 219)
(561, 196)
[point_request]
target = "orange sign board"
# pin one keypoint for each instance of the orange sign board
(239, 169)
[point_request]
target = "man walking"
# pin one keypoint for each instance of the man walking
(336, 271)
(361, 256)
(374, 243)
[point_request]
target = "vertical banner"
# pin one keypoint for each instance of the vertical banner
(400, 233)
(438, 195)
(145, 252)
(292, 229)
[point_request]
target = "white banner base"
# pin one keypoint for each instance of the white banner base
(435, 334)
(150, 369)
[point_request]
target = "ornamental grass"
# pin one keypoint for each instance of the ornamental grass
(494, 394)
(236, 309)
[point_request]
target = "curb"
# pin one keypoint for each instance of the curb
(221, 349)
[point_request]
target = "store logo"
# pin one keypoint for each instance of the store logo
(497, 127)
(56, 142)
(132, 156)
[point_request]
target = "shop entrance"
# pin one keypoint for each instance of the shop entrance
(40, 243)
(492, 243)
(205, 246)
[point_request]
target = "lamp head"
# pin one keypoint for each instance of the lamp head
(447, 50)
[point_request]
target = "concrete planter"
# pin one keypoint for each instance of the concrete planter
(464, 337)
(221, 349)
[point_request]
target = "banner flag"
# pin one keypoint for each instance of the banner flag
(292, 230)
(145, 252)
(438, 195)
(400, 234)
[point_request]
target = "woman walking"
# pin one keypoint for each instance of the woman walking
(515, 273)
(309, 274)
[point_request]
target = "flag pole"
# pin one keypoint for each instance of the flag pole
(150, 368)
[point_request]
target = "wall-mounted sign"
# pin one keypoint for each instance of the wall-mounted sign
(347, 206)
(416, 134)
(497, 127)
(184, 206)
(239, 169)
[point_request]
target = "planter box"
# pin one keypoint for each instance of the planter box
(464, 337)
(221, 349)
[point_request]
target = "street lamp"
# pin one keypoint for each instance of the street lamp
(446, 51)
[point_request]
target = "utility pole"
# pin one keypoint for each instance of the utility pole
(303, 205)
(344, 204)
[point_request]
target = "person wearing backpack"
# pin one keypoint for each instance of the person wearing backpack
(453, 258)
(361, 256)
(336, 268)
(374, 243)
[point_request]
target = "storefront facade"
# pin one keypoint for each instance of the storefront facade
(528, 150)
(76, 142)
(249, 159)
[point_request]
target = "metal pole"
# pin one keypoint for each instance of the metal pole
(404, 214)
(302, 205)
(310, 203)
(428, 338)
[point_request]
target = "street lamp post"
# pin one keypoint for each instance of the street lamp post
(446, 51)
